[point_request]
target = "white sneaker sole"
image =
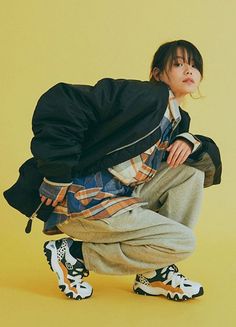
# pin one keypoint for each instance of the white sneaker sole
(143, 289)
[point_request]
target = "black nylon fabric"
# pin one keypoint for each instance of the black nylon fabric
(76, 126)
(71, 121)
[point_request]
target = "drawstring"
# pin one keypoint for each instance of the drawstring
(29, 223)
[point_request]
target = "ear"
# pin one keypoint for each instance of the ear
(155, 73)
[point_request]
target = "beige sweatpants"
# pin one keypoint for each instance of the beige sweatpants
(143, 239)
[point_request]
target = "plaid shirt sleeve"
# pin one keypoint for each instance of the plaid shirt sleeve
(53, 191)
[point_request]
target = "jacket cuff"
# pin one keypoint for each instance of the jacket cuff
(58, 182)
(192, 139)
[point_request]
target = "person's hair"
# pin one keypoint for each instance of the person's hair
(167, 52)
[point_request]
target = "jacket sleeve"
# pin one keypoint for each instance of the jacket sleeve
(67, 113)
(59, 131)
(206, 156)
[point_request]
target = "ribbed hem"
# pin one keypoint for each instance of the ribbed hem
(56, 183)
(59, 180)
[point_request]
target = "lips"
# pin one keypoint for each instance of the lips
(188, 80)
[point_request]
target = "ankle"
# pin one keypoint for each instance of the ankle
(76, 250)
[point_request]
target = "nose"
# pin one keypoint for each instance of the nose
(188, 70)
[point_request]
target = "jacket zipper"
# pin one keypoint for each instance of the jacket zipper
(34, 215)
(127, 145)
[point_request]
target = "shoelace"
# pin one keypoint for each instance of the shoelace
(171, 272)
(75, 280)
(175, 269)
(78, 274)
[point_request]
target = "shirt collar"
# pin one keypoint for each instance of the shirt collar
(174, 107)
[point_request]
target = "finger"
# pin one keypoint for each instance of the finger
(48, 202)
(43, 198)
(177, 148)
(172, 152)
(185, 157)
(179, 160)
(175, 155)
(54, 204)
(169, 147)
(182, 157)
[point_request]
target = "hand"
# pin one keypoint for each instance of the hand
(48, 201)
(179, 152)
(52, 194)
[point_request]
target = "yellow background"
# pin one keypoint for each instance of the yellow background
(47, 41)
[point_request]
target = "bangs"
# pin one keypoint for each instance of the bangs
(167, 54)
(188, 54)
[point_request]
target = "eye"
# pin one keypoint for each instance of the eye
(193, 64)
(178, 64)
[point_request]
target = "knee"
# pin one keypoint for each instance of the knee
(197, 174)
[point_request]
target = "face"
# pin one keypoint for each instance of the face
(182, 76)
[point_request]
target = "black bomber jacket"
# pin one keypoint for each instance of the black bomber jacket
(80, 129)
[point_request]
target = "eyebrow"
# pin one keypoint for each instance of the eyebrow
(180, 57)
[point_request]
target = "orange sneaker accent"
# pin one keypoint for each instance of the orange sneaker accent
(65, 272)
(167, 287)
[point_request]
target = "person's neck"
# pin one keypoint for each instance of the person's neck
(179, 99)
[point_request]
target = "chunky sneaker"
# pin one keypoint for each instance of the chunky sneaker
(168, 282)
(70, 271)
